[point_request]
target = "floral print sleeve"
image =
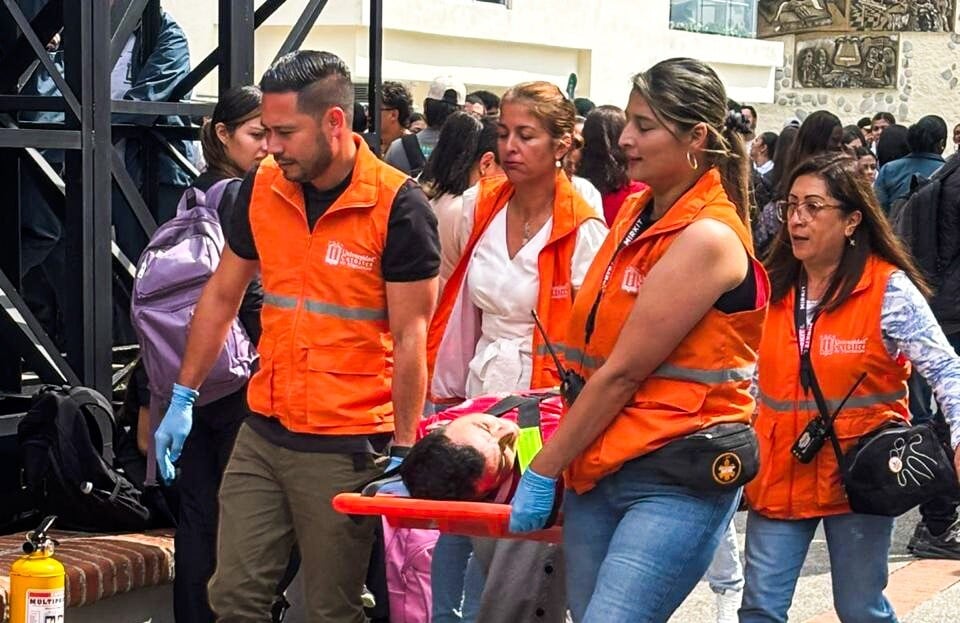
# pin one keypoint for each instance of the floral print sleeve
(909, 328)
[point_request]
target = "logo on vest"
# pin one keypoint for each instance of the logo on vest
(727, 468)
(632, 280)
(832, 345)
(560, 292)
(337, 255)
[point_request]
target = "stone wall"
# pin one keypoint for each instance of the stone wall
(928, 83)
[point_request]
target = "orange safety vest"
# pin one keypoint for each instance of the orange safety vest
(555, 297)
(705, 380)
(326, 353)
(846, 342)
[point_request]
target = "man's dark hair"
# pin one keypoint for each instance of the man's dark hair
(583, 106)
(320, 79)
(892, 145)
(438, 469)
(360, 117)
(490, 100)
(864, 122)
(769, 139)
(395, 95)
(437, 111)
(888, 117)
(928, 135)
(473, 98)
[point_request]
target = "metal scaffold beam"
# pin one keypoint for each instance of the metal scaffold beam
(68, 146)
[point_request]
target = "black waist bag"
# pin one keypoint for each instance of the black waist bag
(895, 468)
(718, 459)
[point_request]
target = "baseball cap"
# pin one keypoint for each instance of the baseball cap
(447, 89)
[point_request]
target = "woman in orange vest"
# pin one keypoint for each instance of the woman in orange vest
(846, 299)
(530, 239)
(665, 331)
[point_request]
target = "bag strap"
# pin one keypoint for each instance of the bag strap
(102, 415)
(827, 420)
(411, 147)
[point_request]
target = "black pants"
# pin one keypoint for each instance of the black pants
(202, 462)
(939, 513)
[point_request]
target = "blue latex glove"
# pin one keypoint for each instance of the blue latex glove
(532, 502)
(173, 430)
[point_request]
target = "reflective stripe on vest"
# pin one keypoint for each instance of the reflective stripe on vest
(329, 309)
(707, 377)
(855, 402)
(575, 355)
(669, 370)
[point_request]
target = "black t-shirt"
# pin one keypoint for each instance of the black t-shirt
(411, 253)
(412, 250)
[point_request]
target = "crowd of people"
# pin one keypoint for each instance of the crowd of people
(702, 283)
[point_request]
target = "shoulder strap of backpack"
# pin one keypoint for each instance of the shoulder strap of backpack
(214, 194)
(188, 200)
(96, 405)
(411, 147)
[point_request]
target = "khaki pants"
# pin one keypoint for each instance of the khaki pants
(271, 498)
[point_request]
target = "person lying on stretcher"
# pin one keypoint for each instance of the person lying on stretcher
(477, 450)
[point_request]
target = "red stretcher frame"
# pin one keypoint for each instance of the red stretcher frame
(482, 519)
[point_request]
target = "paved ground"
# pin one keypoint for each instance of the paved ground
(922, 591)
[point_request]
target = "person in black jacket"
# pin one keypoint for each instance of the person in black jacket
(929, 224)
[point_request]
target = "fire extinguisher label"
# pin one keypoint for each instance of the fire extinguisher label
(45, 606)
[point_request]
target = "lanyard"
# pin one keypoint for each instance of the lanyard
(643, 222)
(804, 333)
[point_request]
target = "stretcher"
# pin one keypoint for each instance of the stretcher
(483, 519)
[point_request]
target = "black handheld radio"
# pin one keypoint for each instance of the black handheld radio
(815, 434)
(571, 383)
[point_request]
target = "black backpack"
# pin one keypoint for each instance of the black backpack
(67, 462)
(411, 147)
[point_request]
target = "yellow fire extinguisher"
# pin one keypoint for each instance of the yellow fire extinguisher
(37, 580)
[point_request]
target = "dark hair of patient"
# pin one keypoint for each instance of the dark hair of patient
(438, 469)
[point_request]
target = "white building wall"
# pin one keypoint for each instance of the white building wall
(493, 46)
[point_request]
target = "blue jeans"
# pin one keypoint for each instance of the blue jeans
(456, 580)
(858, 547)
(636, 546)
(725, 572)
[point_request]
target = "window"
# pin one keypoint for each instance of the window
(736, 18)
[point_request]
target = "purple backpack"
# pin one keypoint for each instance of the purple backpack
(179, 259)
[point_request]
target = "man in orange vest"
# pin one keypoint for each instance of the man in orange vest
(348, 252)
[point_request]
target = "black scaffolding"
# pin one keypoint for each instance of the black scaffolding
(98, 273)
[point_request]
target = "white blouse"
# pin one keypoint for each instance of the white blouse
(505, 290)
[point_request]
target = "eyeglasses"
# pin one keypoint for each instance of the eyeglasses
(806, 210)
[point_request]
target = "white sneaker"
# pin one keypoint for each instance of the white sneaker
(728, 602)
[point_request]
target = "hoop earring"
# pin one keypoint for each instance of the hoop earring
(692, 161)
